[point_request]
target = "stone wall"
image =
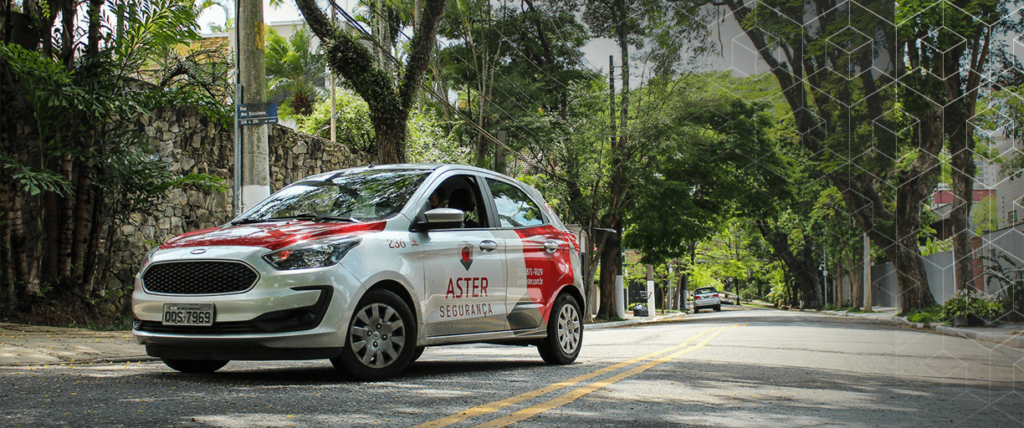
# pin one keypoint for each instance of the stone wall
(192, 143)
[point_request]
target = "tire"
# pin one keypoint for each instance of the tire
(696, 309)
(381, 338)
(565, 332)
(718, 308)
(417, 354)
(195, 366)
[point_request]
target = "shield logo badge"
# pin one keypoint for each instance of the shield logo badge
(467, 256)
(198, 251)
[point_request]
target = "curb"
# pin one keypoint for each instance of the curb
(627, 323)
(1016, 341)
(84, 361)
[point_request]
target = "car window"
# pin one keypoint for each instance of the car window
(461, 192)
(362, 196)
(706, 290)
(515, 209)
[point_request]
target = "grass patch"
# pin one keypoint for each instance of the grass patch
(931, 314)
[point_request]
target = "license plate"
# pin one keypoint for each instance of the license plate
(199, 314)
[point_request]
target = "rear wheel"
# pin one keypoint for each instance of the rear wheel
(381, 338)
(718, 307)
(696, 309)
(565, 332)
(195, 366)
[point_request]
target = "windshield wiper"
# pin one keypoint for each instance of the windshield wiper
(315, 217)
(249, 221)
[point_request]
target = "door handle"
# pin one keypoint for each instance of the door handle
(550, 246)
(488, 245)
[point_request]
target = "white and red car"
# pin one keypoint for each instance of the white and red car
(367, 267)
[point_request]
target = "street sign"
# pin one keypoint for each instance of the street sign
(256, 114)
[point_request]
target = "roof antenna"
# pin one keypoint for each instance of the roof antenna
(370, 165)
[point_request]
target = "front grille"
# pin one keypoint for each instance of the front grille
(238, 327)
(199, 277)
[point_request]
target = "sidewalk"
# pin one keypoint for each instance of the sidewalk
(1007, 334)
(34, 345)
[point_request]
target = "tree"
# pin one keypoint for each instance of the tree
(985, 216)
(950, 45)
(840, 85)
(390, 102)
(73, 163)
(293, 68)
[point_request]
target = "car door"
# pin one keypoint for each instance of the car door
(537, 255)
(464, 271)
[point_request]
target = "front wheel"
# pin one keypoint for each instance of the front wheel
(381, 338)
(565, 332)
(195, 366)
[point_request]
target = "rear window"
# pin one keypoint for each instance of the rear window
(706, 290)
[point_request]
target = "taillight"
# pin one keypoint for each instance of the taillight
(696, 297)
(714, 295)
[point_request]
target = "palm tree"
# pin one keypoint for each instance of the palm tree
(293, 68)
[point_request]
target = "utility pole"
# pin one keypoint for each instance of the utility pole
(252, 67)
(650, 291)
(330, 75)
(236, 202)
(867, 273)
(669, 291)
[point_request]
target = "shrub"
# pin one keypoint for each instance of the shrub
(967, 302)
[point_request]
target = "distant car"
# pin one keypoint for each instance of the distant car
(706, 297)
(367, 267)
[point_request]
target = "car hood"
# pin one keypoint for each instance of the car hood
(272, 236)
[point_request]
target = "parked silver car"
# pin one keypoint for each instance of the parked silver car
(367, 267)
(706, 297)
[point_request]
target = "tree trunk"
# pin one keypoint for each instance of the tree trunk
(93, 248)
(67, 216)
(82, 219)
(390, 139)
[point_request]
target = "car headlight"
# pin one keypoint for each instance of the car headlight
(148, 258)
(316, 254)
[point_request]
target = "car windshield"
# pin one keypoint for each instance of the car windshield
(360, 196)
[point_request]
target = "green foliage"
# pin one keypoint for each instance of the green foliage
(931, 314)
(968, 302)
(1004, 273)
(293, 68)
(427, 140)
(985, 215)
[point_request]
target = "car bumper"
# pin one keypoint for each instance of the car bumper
(285, 315)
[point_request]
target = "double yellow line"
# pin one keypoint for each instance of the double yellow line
(571, 396)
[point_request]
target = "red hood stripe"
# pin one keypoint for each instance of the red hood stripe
(272, 236)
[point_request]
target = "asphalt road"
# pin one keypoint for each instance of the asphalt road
(733, 368)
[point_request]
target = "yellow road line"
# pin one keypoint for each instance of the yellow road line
(497, 405)
(579, 392)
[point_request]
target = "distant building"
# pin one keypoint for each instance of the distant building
(1008, 192)
(942, 204)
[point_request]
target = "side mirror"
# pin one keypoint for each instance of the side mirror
(440, 218)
